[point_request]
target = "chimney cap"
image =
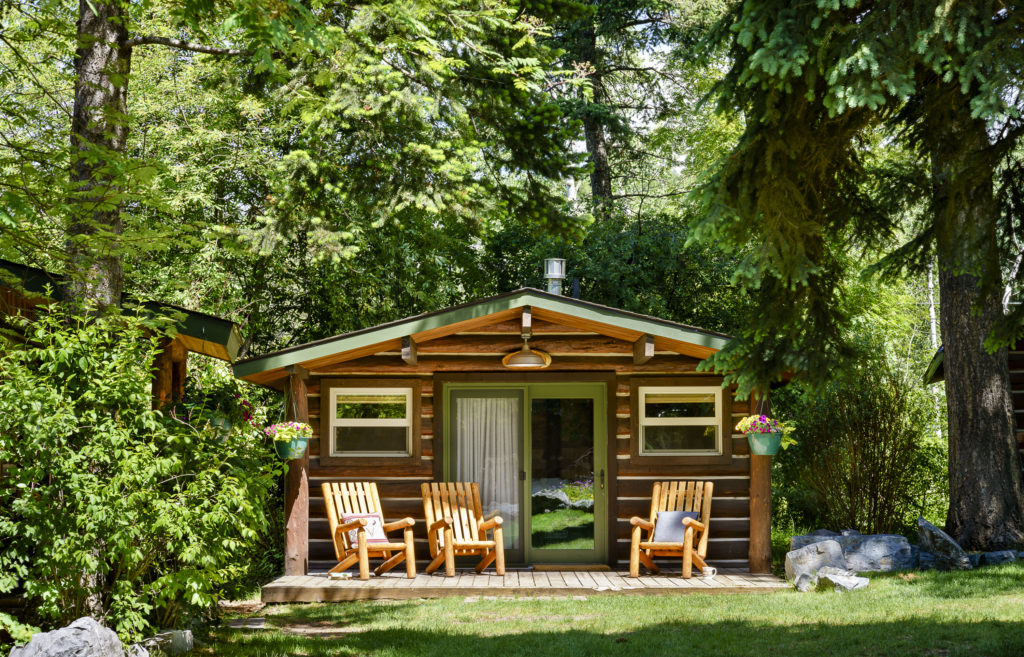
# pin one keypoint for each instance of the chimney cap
(554, 268)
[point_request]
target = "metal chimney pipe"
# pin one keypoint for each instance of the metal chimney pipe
(554, 272)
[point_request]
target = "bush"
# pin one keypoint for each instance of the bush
(107, 507)
(866, 458)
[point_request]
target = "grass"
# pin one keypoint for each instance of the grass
(563, 529)
(929, 614)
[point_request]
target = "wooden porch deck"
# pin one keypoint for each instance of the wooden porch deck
(520, 582)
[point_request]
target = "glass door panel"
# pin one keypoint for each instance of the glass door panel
(562, 474)
(487, 428)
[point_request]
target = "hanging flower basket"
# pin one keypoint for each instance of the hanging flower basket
(765, 435)
(290, 438)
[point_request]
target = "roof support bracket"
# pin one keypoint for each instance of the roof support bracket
(643, 349)
(409, 354)
(297, 370)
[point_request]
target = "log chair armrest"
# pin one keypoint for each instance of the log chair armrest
(447, 521)
(492, 514)
(398, 524)
(637, 521)
(696, 524)
(357, 523)
(487, 525)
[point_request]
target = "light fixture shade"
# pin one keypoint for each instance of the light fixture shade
(526, 359)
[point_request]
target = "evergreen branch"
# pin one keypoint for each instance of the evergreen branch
(191, 46)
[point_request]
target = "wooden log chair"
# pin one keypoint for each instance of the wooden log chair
(353, 510)
(456, 526)
(678, 502)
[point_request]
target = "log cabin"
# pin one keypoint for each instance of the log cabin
(564, 411)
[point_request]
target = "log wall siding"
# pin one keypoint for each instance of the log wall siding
(573, 350)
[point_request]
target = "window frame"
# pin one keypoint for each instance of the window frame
(722, 420)
(332, 388)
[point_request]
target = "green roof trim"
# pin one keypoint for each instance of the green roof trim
(508, 301)
(935, 372)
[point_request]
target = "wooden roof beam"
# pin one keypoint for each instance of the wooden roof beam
(527, 321)
(409, 354)
(643, 349)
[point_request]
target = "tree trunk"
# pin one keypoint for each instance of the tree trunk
(594, 126)
(985, 506)
(99, 131)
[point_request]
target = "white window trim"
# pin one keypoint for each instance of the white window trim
(643, 421)
(334, 422)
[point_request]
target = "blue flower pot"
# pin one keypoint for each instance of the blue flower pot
(765, 444)
(293, 449)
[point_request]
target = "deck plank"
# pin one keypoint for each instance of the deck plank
(396, 586)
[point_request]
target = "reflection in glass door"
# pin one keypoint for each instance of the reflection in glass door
(562, 474)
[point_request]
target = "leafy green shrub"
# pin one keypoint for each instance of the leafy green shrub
(867, 457)
(108, 507)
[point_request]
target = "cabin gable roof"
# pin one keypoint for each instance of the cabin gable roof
(557, 309)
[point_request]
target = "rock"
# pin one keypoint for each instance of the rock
(948, 553)
(172, 642)
(136, 650)
(550, 499)
(839, 579)
(997, 557)
(925, 560)
(870, 553)
(83, 638)
(1020, 556)
(804, 582)
(582, 505)
(975, 559)
(808, 560)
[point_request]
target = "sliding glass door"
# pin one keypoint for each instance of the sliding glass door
(538, 452)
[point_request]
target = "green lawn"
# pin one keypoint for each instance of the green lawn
(932, 614)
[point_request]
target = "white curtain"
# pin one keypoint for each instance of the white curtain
(487, 451)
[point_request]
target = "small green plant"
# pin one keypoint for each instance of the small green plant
(579, 490)
(19, 633)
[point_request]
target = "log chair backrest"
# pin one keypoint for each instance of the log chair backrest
(349, 497)
(459, 500)
(685, 496)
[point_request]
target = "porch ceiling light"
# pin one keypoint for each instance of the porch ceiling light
(526, 358)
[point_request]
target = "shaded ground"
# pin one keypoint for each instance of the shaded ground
(933, 614)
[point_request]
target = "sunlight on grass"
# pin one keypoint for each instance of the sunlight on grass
(974, 613)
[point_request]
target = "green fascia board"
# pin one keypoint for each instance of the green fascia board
(517, 299)
(935, 372)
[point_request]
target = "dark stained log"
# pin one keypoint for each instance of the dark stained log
(499, 345)
(296, 497)
(179, 370)
(739, 466)
(359, 471)
(738, 487)
(163, 375)
(409, 356)
(643, 349)
(720, 528)
(515, 326)
(723, 507)
(760, 556)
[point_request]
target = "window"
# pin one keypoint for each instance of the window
(371, 421)
(679, 420)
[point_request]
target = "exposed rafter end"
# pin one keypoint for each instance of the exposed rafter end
(643, 349)
(409, 354)
(297, 370)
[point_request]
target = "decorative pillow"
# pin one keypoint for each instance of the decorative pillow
(669, 526)
(374, 528)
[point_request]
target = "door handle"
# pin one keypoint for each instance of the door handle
(602, 479)
(522, 475)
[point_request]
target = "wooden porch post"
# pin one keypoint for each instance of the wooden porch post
(163, 376)
(296, 495)
(760, 550)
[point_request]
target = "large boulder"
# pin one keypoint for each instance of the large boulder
(811, 558)
(998, 557)
(838, 579)
(549, 499)
(83, 638)
(947, 552)
(171, 642)
(865, 553)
